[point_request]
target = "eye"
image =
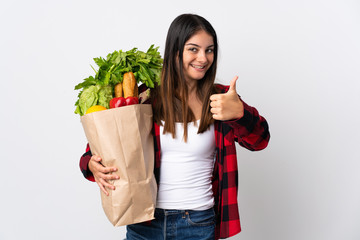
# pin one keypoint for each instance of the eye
(210, 50)
(193, 49)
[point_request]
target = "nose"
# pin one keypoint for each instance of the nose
(201, 57)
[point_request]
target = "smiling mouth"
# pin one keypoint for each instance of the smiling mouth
(197, 66)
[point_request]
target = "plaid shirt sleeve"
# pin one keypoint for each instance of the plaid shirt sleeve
(251, 131)
(84, 161)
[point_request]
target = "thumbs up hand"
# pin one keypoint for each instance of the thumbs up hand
(227, 106)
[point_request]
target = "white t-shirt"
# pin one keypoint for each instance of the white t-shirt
(186, 169)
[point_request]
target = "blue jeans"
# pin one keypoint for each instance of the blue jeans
(175, 224)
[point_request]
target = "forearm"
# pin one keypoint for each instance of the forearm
(251, 130)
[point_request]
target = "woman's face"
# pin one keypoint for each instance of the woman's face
(198, 55)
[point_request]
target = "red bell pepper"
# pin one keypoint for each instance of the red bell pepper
(131, 100)
(117, 102)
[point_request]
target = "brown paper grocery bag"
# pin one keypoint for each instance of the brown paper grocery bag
(122, 137)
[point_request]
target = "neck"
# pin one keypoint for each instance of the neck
(192, 87)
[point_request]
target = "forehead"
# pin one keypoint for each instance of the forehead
(201, 38)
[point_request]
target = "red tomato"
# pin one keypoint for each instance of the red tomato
(117, 102)
(132, 100)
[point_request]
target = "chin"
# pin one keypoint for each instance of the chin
(198, 76)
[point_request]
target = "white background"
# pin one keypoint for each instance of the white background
(297, 61)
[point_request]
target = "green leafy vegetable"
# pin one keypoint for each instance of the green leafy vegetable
(93, 95)
(87, 98)
(98, 89)
(105, 95)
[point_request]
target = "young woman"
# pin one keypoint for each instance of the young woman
(196, 124)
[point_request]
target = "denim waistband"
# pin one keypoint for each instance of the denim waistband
(166, 212)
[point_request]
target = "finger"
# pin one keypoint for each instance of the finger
(103, 189)
(106, 184)
(233, 84)
(107, 169)
(216, 116)
(214, 104)
(214, 110)
(215, 97)
(109, 176)
(96, 158)
(101, 168)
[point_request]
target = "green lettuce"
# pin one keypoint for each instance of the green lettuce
(93, 95)
(105, 94)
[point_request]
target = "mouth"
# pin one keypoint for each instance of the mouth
(197, 66)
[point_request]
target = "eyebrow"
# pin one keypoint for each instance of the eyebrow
(193, 44)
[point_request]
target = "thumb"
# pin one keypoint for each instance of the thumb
(232, 87)
(96, 158)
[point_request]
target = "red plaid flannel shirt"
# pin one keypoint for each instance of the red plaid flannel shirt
(251, 131)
